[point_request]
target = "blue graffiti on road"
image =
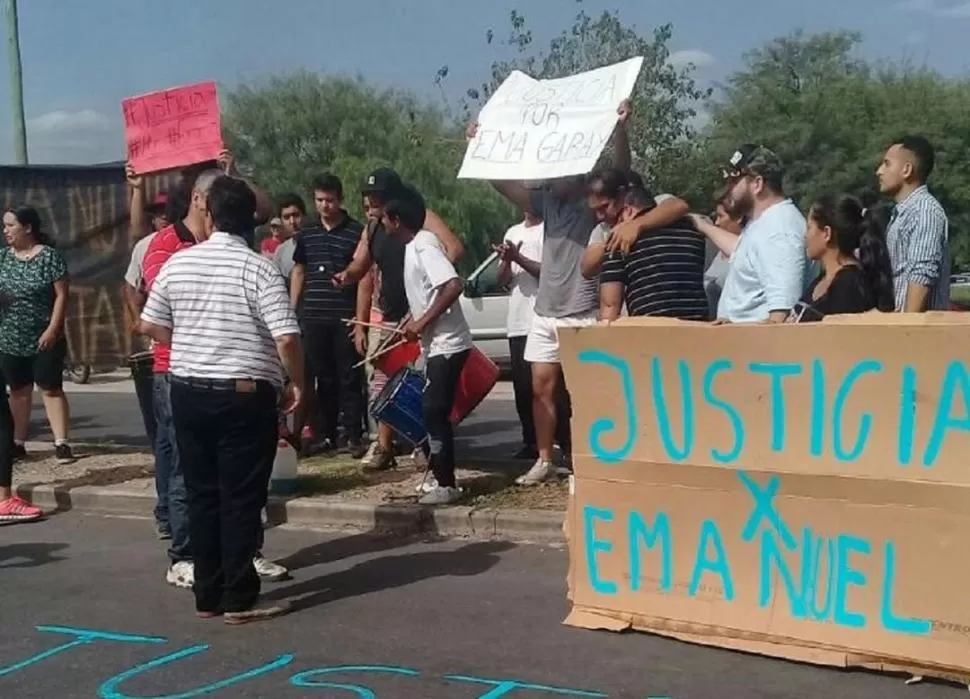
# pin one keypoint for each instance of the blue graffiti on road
(317, 678)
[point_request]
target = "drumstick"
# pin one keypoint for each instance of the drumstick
(378, 326)
(384, 351)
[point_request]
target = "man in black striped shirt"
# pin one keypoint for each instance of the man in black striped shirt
(322, 251)
(663, 274)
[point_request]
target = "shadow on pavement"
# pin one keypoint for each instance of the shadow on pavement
(29, 555)
(388, 572)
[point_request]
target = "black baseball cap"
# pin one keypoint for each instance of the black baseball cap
(382, 182)
(754, 159)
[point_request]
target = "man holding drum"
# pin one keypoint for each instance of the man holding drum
(433, 287)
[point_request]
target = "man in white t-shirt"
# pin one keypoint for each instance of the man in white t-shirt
(433, 288)
(521, 253)
(768, 268)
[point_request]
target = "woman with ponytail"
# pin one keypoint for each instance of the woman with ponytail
(849, 243)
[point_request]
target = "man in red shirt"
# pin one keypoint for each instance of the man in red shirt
(169, 480)
(270, 245)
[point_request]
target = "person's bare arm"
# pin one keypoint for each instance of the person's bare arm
(454, 248)
(611, 300)
(592, 260)
(264, 206)
(297, 277)
(361, 263)
(158, 333)
(622, 155)
(56, 326)
(135, 301)
(664, 214)
(365, 294)
(725, 241)
(777, 316)
(290, 350)
(136, 203)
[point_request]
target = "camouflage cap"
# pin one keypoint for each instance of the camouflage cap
(753, 159)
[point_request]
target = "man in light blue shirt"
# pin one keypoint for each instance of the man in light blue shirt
(768, 268)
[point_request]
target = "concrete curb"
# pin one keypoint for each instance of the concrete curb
(522, 526)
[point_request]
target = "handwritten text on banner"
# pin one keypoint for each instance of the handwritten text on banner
(537, 129)
(173, 128)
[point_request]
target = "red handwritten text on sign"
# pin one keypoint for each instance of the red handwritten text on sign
(173, 128)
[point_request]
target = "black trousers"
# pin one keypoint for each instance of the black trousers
(330, 354)
(226, 434)
(442, 374)
(522, 387)
(6, 437)
(144, 380)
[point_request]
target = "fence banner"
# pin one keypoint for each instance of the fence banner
(85, 211)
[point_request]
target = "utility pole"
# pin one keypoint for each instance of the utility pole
(16, 82)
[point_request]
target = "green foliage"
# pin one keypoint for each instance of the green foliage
(830, 117)
(291, 129)
(665, 99)
(828, 114)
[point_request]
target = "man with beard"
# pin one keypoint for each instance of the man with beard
(768, 268)
(919, 232)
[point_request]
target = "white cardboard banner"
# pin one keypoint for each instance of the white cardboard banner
(539, 129)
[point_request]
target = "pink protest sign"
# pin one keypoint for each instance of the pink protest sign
(173, 128)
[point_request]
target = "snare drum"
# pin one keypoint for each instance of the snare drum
(399, 405)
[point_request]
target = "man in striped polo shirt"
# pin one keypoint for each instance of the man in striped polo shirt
(322, 251)
(224, 311)
(663, 274)
(171, 510)
(919, 232)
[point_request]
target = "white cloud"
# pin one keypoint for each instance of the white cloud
(80, 137)
(695, 57)
(68, 123)
(947, 10)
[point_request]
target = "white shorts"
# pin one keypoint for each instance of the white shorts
(542, 345)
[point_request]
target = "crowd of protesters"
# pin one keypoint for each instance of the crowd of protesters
(228, 330)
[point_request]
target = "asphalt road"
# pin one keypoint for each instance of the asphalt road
(108, 411)
(404, 620)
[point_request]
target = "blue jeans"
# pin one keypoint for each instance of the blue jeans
(172, 506)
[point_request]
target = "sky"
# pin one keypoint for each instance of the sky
(82, 57)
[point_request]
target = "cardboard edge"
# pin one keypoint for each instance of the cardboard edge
(784, 649)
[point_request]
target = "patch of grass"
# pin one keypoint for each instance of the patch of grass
(329, 476)
(548, 496)
(960, 294)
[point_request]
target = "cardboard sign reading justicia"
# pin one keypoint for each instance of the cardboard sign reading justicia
(796, 490)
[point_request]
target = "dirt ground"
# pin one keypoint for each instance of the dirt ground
(487, 485)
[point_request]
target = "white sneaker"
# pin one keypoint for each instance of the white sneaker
(368, 458)
(273, 572)
(441, 495)
(428, 484)
(181, 575)
(540, 472)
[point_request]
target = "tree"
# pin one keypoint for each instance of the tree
(665, 99)
(830, 116)
(293, 128)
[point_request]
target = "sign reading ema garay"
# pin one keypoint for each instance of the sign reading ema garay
(539, 129)
(793, 490)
